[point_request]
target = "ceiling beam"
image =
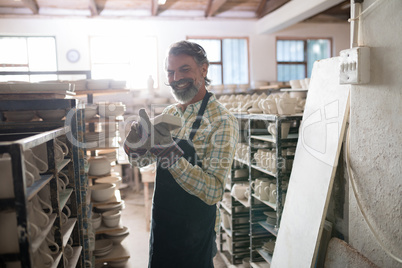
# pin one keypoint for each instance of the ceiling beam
(269, 6)
(260, 8)
(213, 6)
(154, 7)
(93, 8)
(291, 13)
(32, 5)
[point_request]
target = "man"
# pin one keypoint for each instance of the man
(192, 163)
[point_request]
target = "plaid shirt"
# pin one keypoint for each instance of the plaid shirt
(214, 142)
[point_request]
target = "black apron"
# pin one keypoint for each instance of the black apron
(182, 226)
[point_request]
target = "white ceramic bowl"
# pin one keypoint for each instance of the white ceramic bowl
(96, 220)
(98, 84)
(111, 222)
(51, 115)
(118, 84)
(112, 214)
(110, 179)
(102, 192)
(99, 165)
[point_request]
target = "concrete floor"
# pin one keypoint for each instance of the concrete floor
(133, 216)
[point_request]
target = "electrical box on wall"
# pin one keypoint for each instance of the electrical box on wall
(355, 66)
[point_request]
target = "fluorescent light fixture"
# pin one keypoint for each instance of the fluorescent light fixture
(161, 2)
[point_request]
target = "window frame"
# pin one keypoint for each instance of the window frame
(29, 72)
(304, 39)
(221, 45)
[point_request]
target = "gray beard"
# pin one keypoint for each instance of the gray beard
(185, 96)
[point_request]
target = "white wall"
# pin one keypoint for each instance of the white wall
(75, 33)
(376, 138)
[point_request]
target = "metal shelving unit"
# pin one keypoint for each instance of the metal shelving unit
(259, 231)
(17, 137)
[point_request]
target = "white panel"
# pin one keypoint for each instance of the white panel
(314, 167)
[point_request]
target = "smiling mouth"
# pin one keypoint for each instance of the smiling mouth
(182, 84)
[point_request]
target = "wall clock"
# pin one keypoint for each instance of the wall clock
(73, 55)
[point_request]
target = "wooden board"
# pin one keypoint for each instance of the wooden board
(36, 96)
(316, 158)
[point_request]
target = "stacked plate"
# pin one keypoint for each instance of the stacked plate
(271, 217)
(97, 137)
(117, 236)
(103, 247)
(111, 206)
(111, 155)
(269, 246)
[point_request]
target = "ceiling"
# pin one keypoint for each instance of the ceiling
(198, 9)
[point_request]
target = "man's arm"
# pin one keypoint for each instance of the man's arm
(208, 182)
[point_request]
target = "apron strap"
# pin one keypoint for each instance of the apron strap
(200, 114)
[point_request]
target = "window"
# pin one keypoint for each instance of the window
(228, 58)
(124, 58)
(295, 58)
(27, 54)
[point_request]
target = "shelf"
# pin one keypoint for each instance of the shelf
(28, 140)
(274, 117)
(119, 252)
(241, 161)
(270, 138)
(101, 91)
(102, 120)
(102, 148)
(263, 170)
(244, 202)
(67, 229)
(57, 260)
(38, 241)
(267, 257)
(269, 117)
(227, 231)
(272, 205)
(226, 208)
(259, 265)
(62, 164)
(64, 196)
(73, 261)
(38, 185)
(269, 228)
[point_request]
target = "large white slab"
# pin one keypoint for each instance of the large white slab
(317, 153)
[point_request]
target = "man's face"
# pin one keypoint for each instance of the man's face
(185, 77)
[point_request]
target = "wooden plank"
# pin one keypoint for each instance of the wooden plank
(93, 8)
(270, 6)
(154, 7)
(214, 7)
(316, 159)
(32, 5)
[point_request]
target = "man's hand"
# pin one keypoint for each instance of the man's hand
(137, 141)
(161, 142)
(160, 135)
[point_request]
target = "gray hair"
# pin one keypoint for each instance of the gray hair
(191, 49)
